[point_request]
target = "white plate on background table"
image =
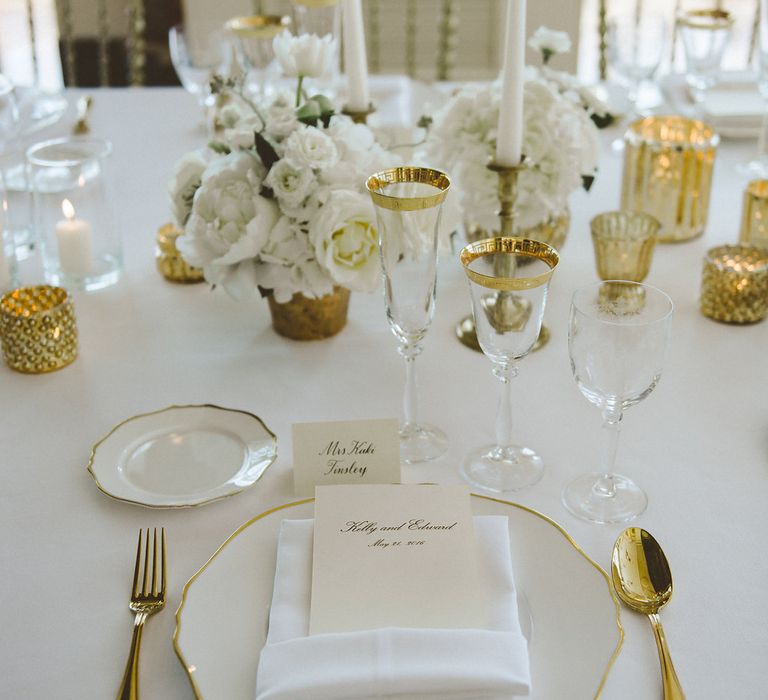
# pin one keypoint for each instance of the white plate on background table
(182, 456)
(221, 623)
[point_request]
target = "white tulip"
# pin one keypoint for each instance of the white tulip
(306, 55)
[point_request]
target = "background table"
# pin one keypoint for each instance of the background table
(698, 444)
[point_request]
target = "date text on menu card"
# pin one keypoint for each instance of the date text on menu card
(345, 452)
(394, 556)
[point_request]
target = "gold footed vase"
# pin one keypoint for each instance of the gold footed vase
(303, 318)
(553, 231)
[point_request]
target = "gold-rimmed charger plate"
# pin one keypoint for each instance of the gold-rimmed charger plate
(221, 623)
(182, 456)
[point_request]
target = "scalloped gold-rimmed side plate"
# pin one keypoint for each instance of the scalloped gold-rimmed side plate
(221, 623)
(182, 456)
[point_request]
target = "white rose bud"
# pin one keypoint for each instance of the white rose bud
(308, 147)
(549, 42)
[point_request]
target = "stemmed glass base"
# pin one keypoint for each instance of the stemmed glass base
(604, 499)
(501, 469)
(421, 443)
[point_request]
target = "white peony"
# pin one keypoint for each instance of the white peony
(183, 185)
(345, 241)
(309, 147)
(229, 224)
(549, 42)
(306, 55)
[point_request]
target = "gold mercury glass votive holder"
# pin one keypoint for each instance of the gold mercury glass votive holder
(38, 329)
(668, 163)
(754, 215)
(734, 284)
(169, 261)
(623, 243)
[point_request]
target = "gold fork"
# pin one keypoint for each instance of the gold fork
(145, 601)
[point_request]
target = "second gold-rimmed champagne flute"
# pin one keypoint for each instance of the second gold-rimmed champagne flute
(408, 202)
(508, 301)
(618, 336)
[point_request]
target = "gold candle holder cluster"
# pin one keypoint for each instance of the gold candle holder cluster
(668, 165)
(169, 261)
(754, 215)
(38, 329)
(734, 284)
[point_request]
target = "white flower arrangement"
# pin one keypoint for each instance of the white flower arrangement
(277, 202)
(559, 140)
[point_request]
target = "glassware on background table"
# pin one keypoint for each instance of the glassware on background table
(617, 339)
(196, 58)
(72, 212)
(636, 43)
(38, 329)
(624, 243)
(758, 167)
(408, 202)
(252, 36)
(9, 269)
(668, 162)
(704, 35)
(321, 17)
(508, 300)
(754, 215)
(13, 176)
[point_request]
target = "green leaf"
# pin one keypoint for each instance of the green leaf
(266, 152)
(219, 147)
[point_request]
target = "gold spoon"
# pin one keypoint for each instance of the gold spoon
(84, 105)
(642, 579)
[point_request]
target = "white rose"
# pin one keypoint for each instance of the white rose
(309, 147)
(291, 185)
(306, 55)
(550, 42)
(304, 276)
(281, 116)
(345, 240)
(229, 224)
(183, 185)
(241, 134)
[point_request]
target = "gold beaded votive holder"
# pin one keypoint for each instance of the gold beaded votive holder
(169, 261)
(38, 329)
(754, 215)
(668, 162)
(734, 284)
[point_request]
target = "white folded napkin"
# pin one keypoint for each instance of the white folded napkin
(450, 664)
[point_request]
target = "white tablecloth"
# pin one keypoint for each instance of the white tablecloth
(698, 444)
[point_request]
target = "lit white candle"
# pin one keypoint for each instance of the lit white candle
(509, 135)
(355, 61)
(74, 239)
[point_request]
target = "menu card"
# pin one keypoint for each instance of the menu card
(394, 556)
(345, 452)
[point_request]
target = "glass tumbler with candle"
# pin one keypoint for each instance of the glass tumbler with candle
(72, 212)
(9, 277)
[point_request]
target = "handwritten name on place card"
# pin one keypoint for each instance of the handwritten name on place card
(394, 556)
(345, 452)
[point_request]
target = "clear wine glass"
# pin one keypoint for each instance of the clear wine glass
(196, 60)
(758, 167)
(618, 336)
(508, 300)
(408, 201)
(252, 36)
(704, 35)
(636, 42)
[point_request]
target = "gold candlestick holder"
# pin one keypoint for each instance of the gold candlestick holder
(509, 310)
(359, 116)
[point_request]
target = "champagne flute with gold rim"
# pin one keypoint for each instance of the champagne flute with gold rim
(408, 201)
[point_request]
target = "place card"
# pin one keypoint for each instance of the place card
(395, 556)
(345, 452)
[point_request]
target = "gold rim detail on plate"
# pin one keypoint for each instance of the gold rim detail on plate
(520, 246)
(163, 410)
(285, 506)
(377, 183)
